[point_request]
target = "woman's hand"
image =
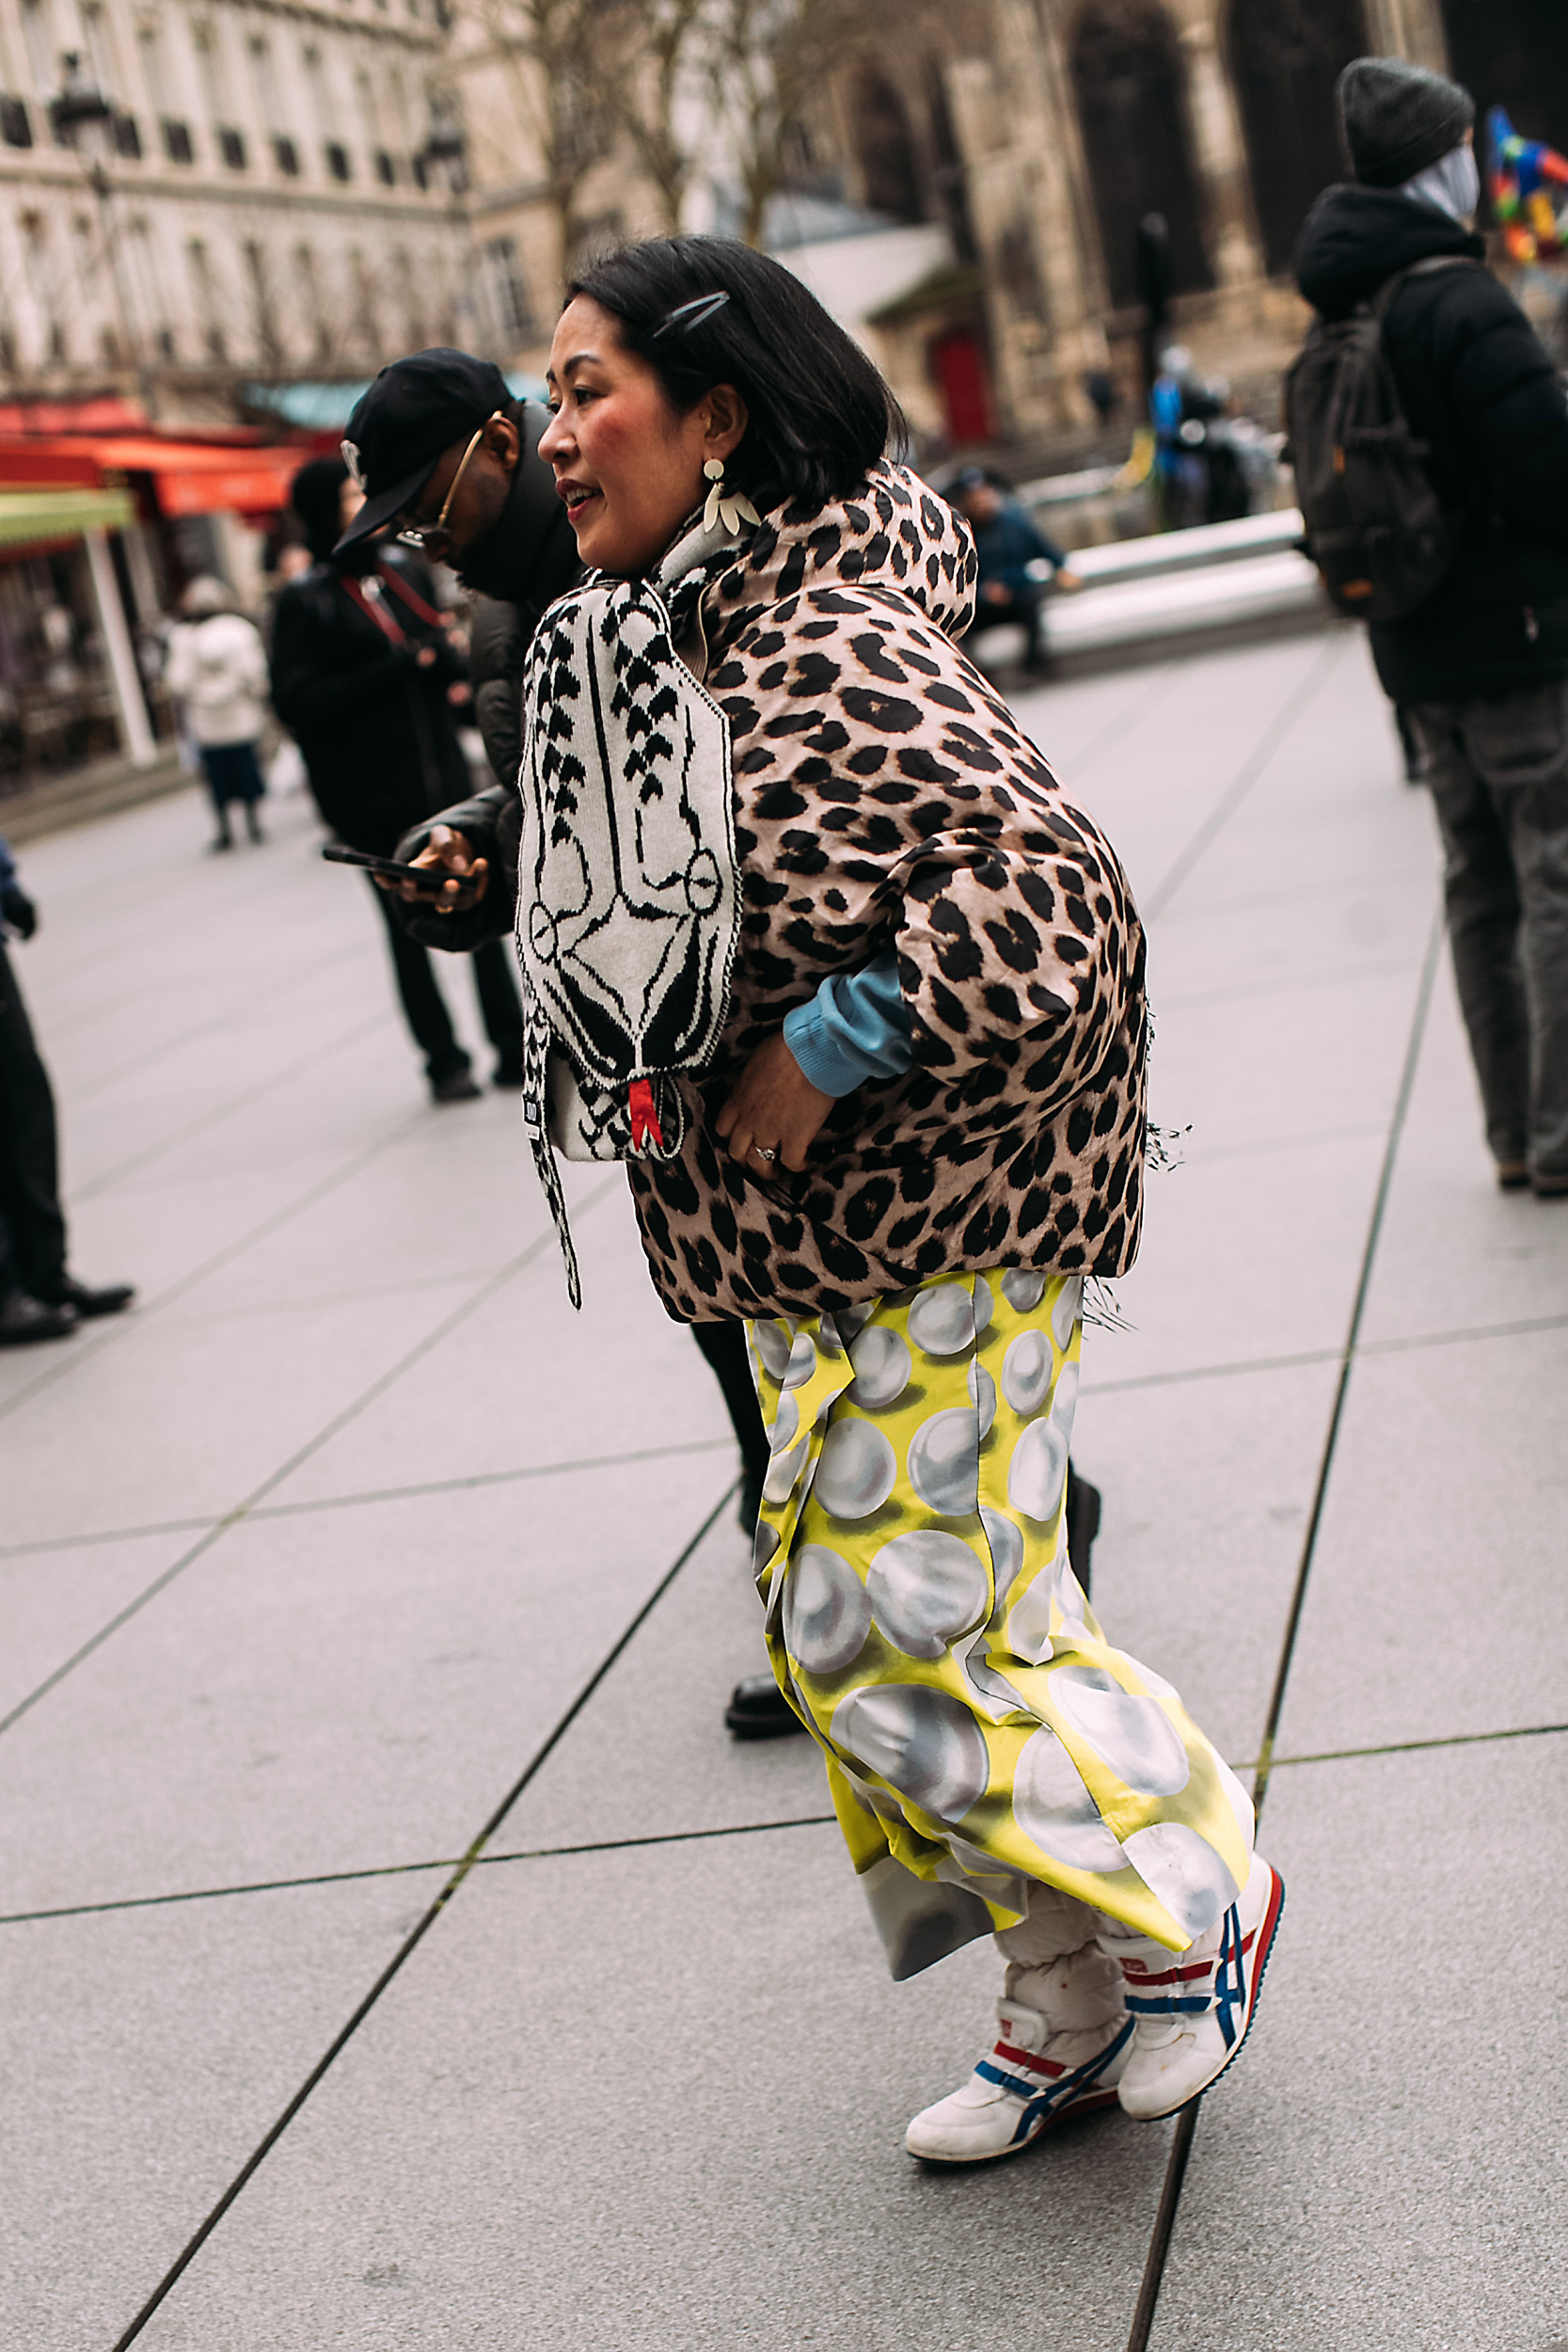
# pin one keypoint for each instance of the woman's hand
(774, 1113)
(451, 853)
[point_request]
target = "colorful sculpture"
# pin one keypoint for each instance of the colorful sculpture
(1524, 175)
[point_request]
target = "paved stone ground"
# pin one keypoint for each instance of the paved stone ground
(353, 1546)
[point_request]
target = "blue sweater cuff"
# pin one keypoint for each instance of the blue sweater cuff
(857, 1026)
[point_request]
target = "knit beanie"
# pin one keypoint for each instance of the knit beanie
(1395, 118)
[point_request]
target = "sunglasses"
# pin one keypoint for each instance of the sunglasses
(421, 535)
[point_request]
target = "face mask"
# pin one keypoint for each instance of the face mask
(1451, 185)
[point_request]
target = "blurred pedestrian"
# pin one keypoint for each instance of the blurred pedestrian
(216, 669)
(860, 1003)
(38, 1299)
(362, 676)
(1018, 562)
(1477, 663)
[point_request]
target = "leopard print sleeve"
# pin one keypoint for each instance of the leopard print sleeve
(1014, 949)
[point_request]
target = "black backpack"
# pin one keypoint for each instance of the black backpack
(1376, 529)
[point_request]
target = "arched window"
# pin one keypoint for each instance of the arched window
(1128, 79)
(1286, 57)
(889, 169)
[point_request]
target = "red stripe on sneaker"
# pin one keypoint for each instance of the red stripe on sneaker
(1138, 1974)
(1011, 2056)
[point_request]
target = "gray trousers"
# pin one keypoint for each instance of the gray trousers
(1498, 769)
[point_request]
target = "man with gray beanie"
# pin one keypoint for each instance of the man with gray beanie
(1481, 668)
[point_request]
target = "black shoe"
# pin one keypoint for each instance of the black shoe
(749, 1507)
(508, 1076)
(458, 1087)
(23, 1320)
(224, 841)
(86, 1303)
(758, 1710)
(253, 823)
(1082, 1524)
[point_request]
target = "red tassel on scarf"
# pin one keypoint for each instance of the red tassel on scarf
(644, 1119)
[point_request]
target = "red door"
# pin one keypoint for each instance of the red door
(958, 362)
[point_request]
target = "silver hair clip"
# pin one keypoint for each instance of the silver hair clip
(693, 314)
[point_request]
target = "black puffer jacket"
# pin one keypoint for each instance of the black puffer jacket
(376, 731)
(1478, 386)
(529, 560)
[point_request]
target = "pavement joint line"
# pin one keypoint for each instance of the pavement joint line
(1186, 2123)
(221, 1023)
(1351, 1349)
(1305, 692)
(682, 1836)
(406, 1869)
(215, 1115)
(313, 1303)
(1314, 984)
(417, 1934)
(87, 1351)
(1405, 1345)
(1201, 1155)
(1243, 1366)
(373, 1494)
(1126, 717)
(1416, 1747)
(301, 1456)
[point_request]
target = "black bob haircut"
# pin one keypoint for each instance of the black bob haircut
(821, 414)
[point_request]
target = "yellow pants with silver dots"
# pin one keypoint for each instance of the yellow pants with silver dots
(980, 1732)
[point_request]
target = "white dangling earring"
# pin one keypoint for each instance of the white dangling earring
(731, 507)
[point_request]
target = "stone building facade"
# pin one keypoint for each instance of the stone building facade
(1046, 136)
(267, 209)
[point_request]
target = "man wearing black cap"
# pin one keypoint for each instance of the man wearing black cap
(448, 460)
(362, 673)
(1481, 667)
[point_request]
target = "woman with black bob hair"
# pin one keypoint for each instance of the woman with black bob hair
(819, 414)
(815, 941)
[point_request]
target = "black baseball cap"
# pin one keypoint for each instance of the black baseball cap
(414, 410)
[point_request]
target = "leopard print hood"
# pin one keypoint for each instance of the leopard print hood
(899, 535)
(886, 796)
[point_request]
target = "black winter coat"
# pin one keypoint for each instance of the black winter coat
(1478, 386)
(376, 732)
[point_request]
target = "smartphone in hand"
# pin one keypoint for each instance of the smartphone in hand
(428, 879)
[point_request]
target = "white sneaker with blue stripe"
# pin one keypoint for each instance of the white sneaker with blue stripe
(1191, 2010)
(1033, 2076)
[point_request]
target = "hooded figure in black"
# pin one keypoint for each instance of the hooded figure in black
(1480, 671)
(362, 672)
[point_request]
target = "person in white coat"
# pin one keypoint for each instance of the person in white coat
(217, 670)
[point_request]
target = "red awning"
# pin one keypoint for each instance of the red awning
(25, 463)
(108, 415)
(189, 477)
(193, 478)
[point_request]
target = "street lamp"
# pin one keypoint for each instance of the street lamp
(83, 119)
(444, 145)
(444, 151)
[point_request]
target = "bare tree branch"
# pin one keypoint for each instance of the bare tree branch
(651, 51)
(559, 58)
(766, 62)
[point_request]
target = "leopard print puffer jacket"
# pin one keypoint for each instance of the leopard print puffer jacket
(885, 797)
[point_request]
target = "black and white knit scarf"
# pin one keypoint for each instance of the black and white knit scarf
(629, 896)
